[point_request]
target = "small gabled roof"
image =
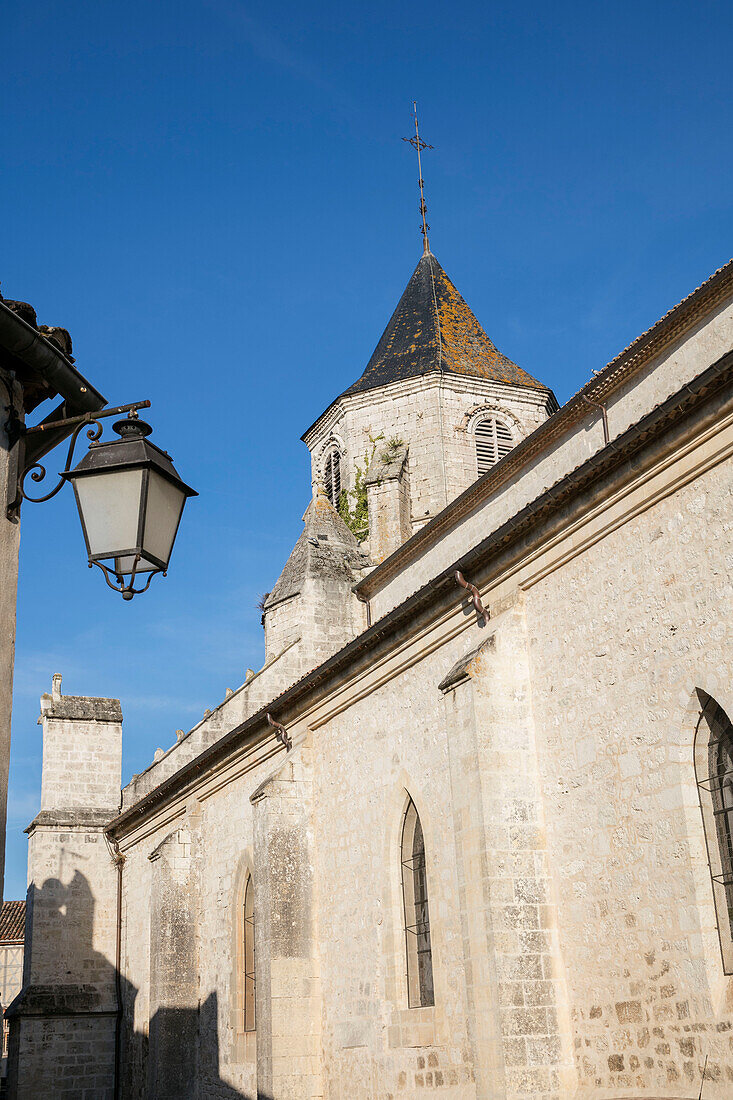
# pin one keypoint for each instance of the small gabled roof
(433, 329)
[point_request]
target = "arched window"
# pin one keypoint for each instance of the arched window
(248, 956)
(715, 731)
(493, 441)
(417, 915)
(332, 477)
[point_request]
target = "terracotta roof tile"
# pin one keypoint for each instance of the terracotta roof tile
(12, 921)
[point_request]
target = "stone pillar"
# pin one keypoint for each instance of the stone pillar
(63, 1022)
(174, 1007)
(519, 1027)
(9, 545)
(388, 500)
(289, 1058)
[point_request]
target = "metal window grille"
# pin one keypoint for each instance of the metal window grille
(248, 938)
(719, 786)
(418, 947)
(332, 477)
(493, 441)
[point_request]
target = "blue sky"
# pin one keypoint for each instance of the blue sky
(214, 199)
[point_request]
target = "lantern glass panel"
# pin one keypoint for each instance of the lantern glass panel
(124, 565)
(109, 503)
(162, 514)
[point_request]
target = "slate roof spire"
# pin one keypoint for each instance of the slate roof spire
(433, 329)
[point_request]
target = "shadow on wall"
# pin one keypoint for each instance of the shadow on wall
(65, 1024)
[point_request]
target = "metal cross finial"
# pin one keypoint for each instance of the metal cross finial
(418, 145)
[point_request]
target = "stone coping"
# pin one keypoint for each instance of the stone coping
(81, 708)
(74, 819)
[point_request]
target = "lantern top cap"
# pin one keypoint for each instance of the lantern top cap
(131, 450)
(131, 427)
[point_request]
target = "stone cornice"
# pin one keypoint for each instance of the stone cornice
(72, 819)
(460, 383)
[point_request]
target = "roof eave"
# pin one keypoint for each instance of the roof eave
(31, 348)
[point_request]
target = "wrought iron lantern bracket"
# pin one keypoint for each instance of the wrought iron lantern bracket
(37, 470)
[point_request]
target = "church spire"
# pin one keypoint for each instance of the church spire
(433, 329)
(418, 145)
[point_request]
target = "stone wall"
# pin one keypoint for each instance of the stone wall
(621, 638)
(204, 909)
(63, 1022)
(388, 501)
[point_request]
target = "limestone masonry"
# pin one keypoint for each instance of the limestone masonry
(494, 860)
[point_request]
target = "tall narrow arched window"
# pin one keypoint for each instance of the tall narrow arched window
(332, 477)
(417, 914)
(248, 956)
(493, 441)
(714, 768)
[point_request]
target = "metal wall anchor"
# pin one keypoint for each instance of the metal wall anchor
(475, 596)
(280, 732)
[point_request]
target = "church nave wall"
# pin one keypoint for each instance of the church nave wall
(621, 637)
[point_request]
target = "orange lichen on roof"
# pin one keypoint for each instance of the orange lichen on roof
(433, 329)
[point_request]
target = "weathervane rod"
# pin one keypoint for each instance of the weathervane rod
(418, 145)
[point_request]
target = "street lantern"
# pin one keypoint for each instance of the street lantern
(130, 500)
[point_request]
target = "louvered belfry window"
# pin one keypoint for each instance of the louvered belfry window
(332, 477)
(493, 441)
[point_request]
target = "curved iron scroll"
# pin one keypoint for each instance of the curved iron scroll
(126, 590)
(38, 471)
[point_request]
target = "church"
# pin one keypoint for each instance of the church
(468, 832)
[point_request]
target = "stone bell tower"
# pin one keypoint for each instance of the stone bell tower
(436, 406)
